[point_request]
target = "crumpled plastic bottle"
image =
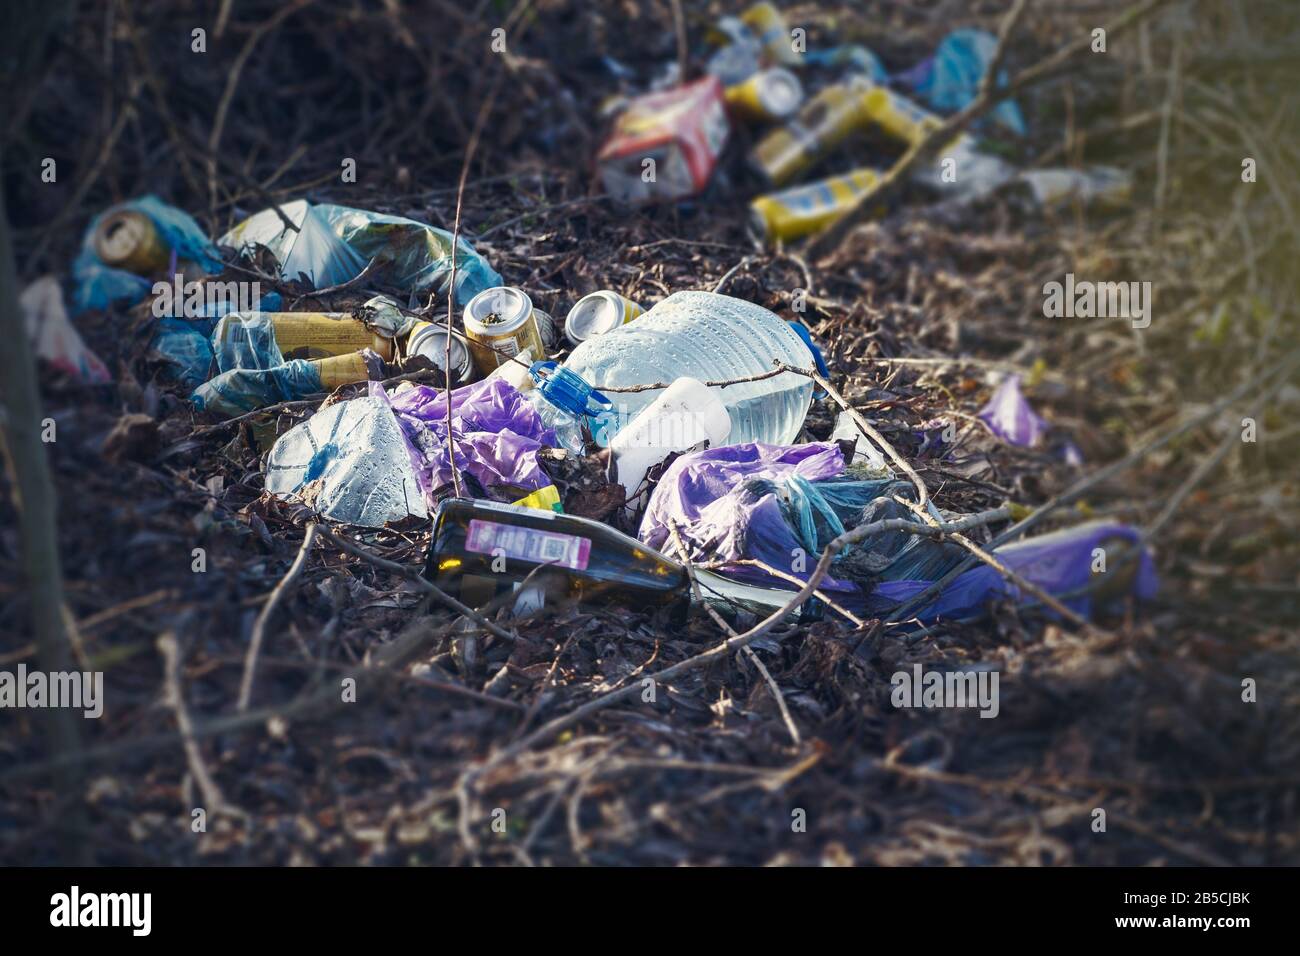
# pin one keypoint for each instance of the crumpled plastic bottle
(563, 400)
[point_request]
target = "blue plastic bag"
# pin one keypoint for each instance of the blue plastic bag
(950, 79)
(242, 390)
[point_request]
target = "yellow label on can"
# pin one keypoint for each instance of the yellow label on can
(341, 370)
(898, 116)
(794, 213)
(821, 125)
(313, 335)
(490, 350)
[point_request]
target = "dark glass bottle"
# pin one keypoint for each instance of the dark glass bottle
(481, 549)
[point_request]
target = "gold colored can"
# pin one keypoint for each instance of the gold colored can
(769, 95)
(824, 122)
(313, 335)
(898, 116)
(129, 240)
(499, 324)
(801, 210)
(339, 370)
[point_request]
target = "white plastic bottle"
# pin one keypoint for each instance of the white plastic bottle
(684, 415)
(711, 338)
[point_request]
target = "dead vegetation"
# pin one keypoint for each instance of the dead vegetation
(917, 314)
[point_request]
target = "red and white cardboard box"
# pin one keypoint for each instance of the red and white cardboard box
(665, 145)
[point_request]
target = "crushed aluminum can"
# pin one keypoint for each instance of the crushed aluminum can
(500, 323)
(598, 313)
(801, 210)
(682, 131)
(430, 340)
(770, 95)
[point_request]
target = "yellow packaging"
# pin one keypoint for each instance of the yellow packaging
(802, 210)
(543, 499)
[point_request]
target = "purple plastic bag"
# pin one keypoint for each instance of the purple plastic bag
(496, 432)
(1059, 562)
(724, 515)
(1009, 416)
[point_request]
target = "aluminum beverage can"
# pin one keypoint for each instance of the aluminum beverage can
(430, 340)
(129, 240)
(768, 95)
(311, 335)
(549, 329)
(801, 210)
(598, 313)
(767, 23)
(339, 370)
(824, 122)
(897, 115)
(500, 323)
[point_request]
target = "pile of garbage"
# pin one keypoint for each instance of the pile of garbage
(689, 416)
(666, 144)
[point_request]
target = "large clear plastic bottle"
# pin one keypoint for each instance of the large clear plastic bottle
(712, 338)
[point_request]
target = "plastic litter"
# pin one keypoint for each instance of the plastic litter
(497, 437)
(712, 338)
(242, 390)
(350, 462)
(334, 244)
(185, 345)
(99, 285)
(782, 506)
(684, 415)
(1009, 416)
(267, 339)
(53, 336)
(951, 78)
(564, 402)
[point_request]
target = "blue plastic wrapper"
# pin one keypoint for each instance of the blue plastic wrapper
(950, 79)
(245, 390)
(98, 286)
(185, 345)
(782, 506)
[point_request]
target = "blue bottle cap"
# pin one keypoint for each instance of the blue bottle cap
(801, 330)
(567, 389)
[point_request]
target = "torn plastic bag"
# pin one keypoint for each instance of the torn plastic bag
(53, 336)
(350, 462)
(98, 285)
(951, 78)
(334, 244)
(1010, 417)
(497, 435)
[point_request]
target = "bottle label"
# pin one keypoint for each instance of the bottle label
(528, 544)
